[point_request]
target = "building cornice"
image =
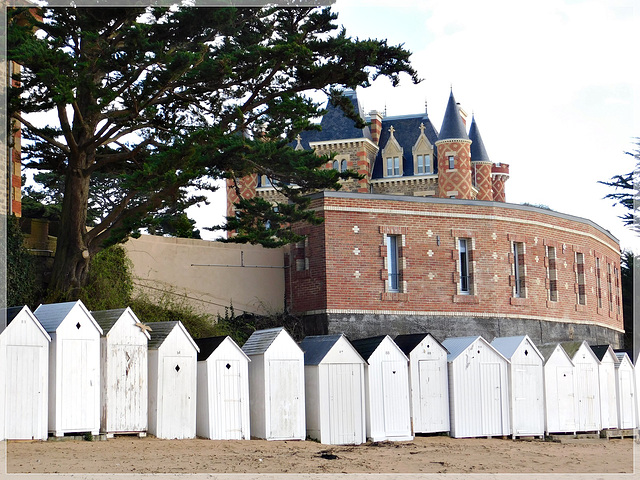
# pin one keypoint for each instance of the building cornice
(342, 143)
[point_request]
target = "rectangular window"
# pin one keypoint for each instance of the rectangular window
(393, 166)
(518, 269)
(396, 166)
(463, 245)
(553, 274)
(301, 255)
(420, 164)
(389, 167)
(452, 163)
(598, 283)
(610, 285)
(392, 263)
(617, 281)
(423, 164)
(580, 280)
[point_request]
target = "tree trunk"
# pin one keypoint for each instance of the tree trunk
(71, 263)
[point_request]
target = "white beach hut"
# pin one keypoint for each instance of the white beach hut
(625, 386)
(607, 383)
(334, 390)
(561, 401)
(24, 370)
(428, 381)
(587, 385)
(526, 384)
(478, 388)
(223, 390)
(276, 385)
(123, 372)
(172, 360)
(386, 388)
(74, 367)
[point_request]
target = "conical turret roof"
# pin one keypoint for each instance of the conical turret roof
(478, 152)
(452, 124)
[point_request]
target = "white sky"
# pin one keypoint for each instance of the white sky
(552, 83)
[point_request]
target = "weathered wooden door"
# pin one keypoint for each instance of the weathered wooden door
(588, 393)
(128, 408)
(626, 399)
(23, 401)
(284, 401)
(229, 399)
(527, 395)
(566, 409)
(345, 404)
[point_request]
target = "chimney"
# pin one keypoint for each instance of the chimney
(376, 125)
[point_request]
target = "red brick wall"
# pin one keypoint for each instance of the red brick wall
(246, 185)
(482, 173)
(352, 242)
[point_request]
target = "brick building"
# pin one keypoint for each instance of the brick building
(425, 241)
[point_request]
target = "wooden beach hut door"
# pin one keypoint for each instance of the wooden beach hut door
(526, 387)
(178, 410)
(23, 396)
(345, 402)
(129, 406)
(587, 404)
(431, 377)
(284, 404)
(80, 391)
(491, 398)
(566, 398)
(626, 400)
(395, 390)
(229, 398)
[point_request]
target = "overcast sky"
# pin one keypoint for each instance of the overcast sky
(551, 84)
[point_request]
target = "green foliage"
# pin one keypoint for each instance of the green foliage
(164, 101)
(626, 193)
(22, 285)
(627, 263)
(110, 282)
(168, 306)
(240, 327)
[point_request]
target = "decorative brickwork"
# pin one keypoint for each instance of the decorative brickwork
(245, 186)
(499, 175)
(481, 171)
(456, 181)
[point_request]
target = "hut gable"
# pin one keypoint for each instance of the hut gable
(53, 315)
(521, 346)
(162, 331)
(329, 348)
(407, 343)
(108, 319)
(260, 341)
(25, 315)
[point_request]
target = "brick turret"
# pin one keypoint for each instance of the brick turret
(499, 175)
(454, 155)
(376, 126)
(480, 164)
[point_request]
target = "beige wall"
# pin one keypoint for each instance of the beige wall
(165, 263)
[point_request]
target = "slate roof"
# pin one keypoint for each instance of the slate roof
(406, 132)
(621, 355)
(210, 344)
(366, 346)
(410, 341)
(12, 312)
(261, 340)
(51, 315)
(316, 347)
(507, 346)
(457, 345)
(571, 348)
(335, 125)
(547, 350)
(600, 350)
(452, 124)
(478, 152)
(108, 318)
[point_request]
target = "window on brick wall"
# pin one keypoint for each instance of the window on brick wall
(518, 270)
(452, 162)
(598, 283)
(580, 280)
(336, 165)
(301, 255)
(617, 283)
(393, 282)
(610, 287)
(552, 273)
(464, 247)
(343, 166)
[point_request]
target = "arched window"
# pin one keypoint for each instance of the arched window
(335, 165)
(343, 165)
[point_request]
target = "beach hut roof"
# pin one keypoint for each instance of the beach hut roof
(161, 330)
(108, 318)
(316, 347)
(547, 350)
(601, 350)
(260, 341)
(210, 344)
(457, 345)
(507, 346)
(13, 312)
(572, 348)
(51, 315)
(410, 341)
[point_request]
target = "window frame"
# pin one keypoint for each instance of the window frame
(464, 270)
(394, 280)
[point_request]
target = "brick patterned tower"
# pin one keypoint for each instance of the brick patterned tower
(480, 164)
(376, 126)
(246, 185)
(499, 175)
(454, 156)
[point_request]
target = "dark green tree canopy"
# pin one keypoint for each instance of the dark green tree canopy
(626, 193)
(166, 100)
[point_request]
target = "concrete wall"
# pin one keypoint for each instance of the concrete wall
(169, 264)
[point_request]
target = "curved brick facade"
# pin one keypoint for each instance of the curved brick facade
(561, 282)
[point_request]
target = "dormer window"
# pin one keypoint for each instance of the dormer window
(392, 156)
(422, 154)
